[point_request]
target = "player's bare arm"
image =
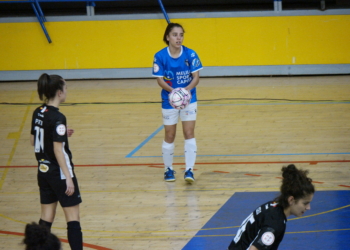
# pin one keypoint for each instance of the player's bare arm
(70, 131)
(253, 248)
(32, 140)
(194, 81)
(61, 161)
(163, 84)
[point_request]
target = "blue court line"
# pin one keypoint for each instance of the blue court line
(340, 153)
(130, 155)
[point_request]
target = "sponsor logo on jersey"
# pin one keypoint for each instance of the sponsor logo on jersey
(268, 238)
(193, 54)
(155, 68)
(44, 161)
(196, 62)
(40, 115)
(43, 109)
(61, 129)
(183, 77)
(187, 63)
(168, 75)
(274, 204)
(43, 168)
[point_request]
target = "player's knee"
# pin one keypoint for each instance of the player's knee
(170, 137)
(188, 134)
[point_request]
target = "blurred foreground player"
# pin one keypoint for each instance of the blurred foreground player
(264, 228)
(38, 237)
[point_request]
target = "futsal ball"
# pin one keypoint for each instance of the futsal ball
(179, 98)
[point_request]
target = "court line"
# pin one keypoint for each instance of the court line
(323, 188)
(329, 211)
(231, 155)
(3, 177)
(252, 104)
(184, 230)
(264, 102)
(131, 154)
(313, 162)
(179, 236)
(144, 142)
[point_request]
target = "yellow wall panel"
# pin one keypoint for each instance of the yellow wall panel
(243, 41)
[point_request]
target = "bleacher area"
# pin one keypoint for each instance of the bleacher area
(111, 7)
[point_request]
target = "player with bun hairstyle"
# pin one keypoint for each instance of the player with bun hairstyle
(177, 66)
(56, 178)
(38, 237)
(264, 228)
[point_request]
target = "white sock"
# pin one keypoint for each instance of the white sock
(168, 154)
(190, 153)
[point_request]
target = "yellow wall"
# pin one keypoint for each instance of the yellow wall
(243, 41)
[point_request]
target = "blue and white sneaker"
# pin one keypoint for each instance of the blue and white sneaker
(169, 175)
(189, 176)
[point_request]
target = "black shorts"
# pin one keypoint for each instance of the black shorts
(53, 190)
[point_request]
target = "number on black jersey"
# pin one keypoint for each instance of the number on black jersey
(39, 139)
(241, 230)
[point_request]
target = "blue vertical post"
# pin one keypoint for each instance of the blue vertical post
(163, 10)
(90, 7)
(41, 14)
(41, 18)
(277, 5)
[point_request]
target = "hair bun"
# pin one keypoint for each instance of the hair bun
(289, 170)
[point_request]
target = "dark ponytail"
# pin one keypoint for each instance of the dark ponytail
(38, 237)
(295, 183)
(48, 86)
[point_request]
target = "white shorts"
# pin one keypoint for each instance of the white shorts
(171, 116)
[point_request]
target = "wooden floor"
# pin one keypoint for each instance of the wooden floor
(247, 129)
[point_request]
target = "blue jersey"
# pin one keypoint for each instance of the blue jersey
(177, 72)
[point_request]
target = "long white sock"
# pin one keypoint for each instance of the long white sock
(168, 154)
(190, 153)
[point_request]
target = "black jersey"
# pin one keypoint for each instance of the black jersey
(49, 126)
(264, 229)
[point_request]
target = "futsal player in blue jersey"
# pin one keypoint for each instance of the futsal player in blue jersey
(177, 66)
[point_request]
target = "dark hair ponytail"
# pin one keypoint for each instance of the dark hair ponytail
(295, 183)
(169, 29)
(38, 237)
(48, 86)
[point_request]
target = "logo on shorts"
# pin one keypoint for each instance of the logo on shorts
(61, 129)
(191, 112)
(268, 238)
(43, 168)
